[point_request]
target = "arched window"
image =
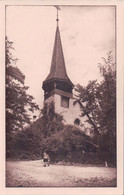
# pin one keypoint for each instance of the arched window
(77, 121)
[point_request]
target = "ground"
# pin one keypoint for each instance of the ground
(34, 174)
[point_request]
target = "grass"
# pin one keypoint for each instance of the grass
(96, 182)
(21, 180)
(17, 180)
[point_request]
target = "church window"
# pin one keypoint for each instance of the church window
(64, 102)
(77, 121)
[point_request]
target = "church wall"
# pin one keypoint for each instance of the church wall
(69, 114)
(50, 99)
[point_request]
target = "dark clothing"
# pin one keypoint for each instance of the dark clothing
(45, 160)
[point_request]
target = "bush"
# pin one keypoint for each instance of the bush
(66, 145)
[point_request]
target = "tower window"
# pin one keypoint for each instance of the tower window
(64, 102)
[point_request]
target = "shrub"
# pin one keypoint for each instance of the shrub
(66, 145)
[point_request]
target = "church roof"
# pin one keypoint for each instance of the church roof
(58, 69)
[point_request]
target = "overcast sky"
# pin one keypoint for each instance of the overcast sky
(87, 34)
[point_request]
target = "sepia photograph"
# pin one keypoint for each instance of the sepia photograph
(61, 116)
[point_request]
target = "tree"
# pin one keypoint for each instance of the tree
(50, 122)
(88, 100)
(18, 103)
(107, 95)
(98, 103)
(30, 141)
(68, 144)
(107, 101)
(48, 133)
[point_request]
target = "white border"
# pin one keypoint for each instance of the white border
(120, 62)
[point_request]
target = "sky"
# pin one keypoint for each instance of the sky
(87, 35)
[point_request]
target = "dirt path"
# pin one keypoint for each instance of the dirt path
(32, 173)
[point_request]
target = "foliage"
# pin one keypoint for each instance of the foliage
(51, 122)
(107, 94)
(98, 103)
(27, 145)
(29, 142)
(88, 100)
(67, 144)
(18, 103)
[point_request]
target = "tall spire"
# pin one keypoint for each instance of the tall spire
(58, 69)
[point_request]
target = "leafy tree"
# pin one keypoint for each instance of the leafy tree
(29, 143)
(107, 95)
(18, 102)
(98, 103)
(49, 134)
(107, 101)
(49, 122)
(52, 122)
(98, 100)
(68, 144)
(88, 100)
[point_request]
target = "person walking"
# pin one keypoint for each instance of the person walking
(46, 159)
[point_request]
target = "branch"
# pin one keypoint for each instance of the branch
(91, 121)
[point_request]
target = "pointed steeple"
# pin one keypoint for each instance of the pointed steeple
(57, 78)
(58, 69)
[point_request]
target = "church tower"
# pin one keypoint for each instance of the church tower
(58, 87)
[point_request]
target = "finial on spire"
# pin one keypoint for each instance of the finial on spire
(57, 8)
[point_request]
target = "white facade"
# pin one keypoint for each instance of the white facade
(69, 114)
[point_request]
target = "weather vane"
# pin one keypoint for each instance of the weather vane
(57, 8)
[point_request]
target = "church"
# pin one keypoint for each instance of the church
(58, 87)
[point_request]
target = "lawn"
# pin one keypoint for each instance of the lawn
(33, 174)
